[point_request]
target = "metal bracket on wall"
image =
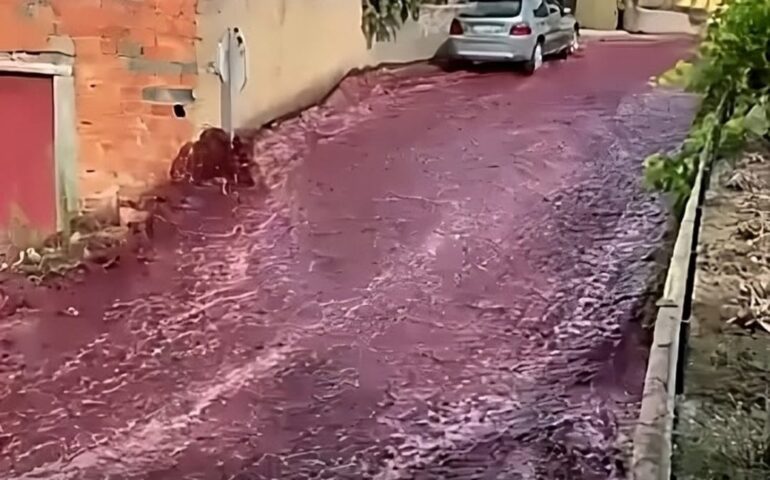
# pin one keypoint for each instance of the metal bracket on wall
(231, 66)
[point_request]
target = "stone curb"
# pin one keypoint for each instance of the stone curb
(591, 36)
(653, 437)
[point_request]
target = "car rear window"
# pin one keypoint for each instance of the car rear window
(494, 8)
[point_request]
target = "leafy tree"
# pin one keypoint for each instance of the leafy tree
(382, 18)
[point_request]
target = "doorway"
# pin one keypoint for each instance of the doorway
(28, 200)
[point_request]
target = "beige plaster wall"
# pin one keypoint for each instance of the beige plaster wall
(416, 40)
(298, 50)
(597, 14)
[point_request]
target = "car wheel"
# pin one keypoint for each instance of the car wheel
(564, 53)
(536, 61)
(457, 65)
(574, 44)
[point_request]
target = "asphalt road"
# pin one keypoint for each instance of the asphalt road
(444, 282)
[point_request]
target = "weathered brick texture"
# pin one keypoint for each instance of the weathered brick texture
(120, 47)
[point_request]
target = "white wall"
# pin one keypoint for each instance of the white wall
(298, 51)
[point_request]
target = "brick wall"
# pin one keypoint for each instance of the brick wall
(120, 48)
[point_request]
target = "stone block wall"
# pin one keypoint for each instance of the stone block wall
(121, 51)
(670, 16)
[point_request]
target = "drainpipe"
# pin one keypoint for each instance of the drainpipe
(231, 66)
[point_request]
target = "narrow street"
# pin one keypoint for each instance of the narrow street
(446, 284)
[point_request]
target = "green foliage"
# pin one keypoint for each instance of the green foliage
(679, 76)
(382, 18)
(732, 74)
(735, 54)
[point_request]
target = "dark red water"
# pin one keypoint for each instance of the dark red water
(437, 286)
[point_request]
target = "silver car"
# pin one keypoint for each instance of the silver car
(521, 31)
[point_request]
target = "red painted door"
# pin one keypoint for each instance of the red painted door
(27, 168)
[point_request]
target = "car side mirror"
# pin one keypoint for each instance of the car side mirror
(567, 11)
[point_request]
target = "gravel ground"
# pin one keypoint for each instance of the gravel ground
(723, 413)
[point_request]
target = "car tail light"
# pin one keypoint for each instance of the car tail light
(521, 29)
(456, 28)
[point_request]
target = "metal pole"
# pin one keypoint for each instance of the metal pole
(226, 87)
(232, 67)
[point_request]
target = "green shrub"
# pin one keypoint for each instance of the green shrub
(382, 18)
(731, 73)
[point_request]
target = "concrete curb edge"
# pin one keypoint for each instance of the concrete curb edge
(653, 437)
(611, 36)
(654, 434)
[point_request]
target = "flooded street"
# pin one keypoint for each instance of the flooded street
(445, 281)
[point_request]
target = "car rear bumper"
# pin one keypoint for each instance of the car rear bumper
(491, 49)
